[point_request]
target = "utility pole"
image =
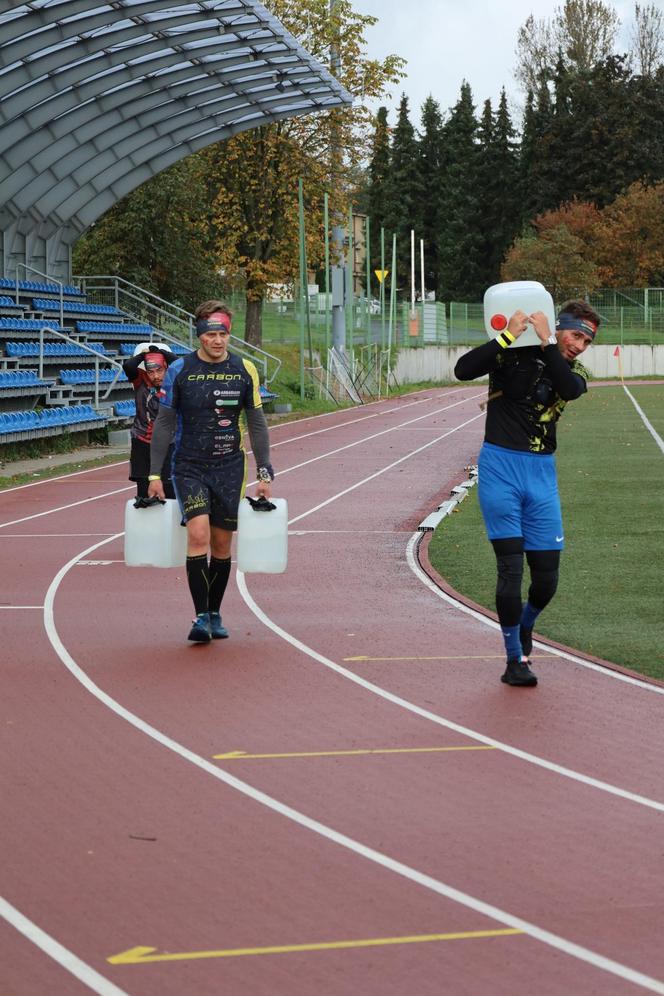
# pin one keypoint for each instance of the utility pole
(337, 234)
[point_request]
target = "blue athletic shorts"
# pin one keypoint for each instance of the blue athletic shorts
(214, 489)
(518, 493)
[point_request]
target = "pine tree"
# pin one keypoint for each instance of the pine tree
(430, 185)
(498, 187)
(402, 200)
(535, 153)
(460, 240)
(378, 176)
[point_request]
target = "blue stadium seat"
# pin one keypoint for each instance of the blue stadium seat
(49, 304)
(6, 283)
(125, 409)
(27, 325)
(133, 327)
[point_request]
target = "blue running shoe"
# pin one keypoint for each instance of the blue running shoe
(218, 630)
(200, 631)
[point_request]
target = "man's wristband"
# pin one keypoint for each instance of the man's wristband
(265, 474)
(154, 477)
(505, 339)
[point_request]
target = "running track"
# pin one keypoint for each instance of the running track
(409, 826)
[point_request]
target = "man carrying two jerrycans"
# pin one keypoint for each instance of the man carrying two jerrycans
(204, 394)
(529, 387)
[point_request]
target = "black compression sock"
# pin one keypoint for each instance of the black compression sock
(219, 573)
(198, 577)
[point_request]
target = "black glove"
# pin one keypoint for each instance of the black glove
(148, 502)
(261, 504)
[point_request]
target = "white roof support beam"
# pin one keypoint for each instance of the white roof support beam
(98, 96)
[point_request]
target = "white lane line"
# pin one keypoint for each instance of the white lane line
(433, 717)
(69, 961)
(644, 418)
(21, 606)
(418, 571)
(63, 508)
(384, 470)
(352, 421)
(376, 435)
(63, 477)
(298, 466)
(54, 535)
(586, 955)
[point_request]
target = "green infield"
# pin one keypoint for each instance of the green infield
(611, 474)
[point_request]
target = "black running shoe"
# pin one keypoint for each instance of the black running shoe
(217, 628)
(200, 631)
(526, 637)
(518, 673)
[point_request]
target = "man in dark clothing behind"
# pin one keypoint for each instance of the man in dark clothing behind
(518, 489)
(146, 370)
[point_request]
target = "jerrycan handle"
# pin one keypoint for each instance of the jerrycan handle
(260, 504)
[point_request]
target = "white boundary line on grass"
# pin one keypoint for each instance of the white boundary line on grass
(644, 418)
(487, 621)
(583, 954)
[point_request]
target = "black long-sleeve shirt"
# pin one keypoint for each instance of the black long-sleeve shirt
(528, 390)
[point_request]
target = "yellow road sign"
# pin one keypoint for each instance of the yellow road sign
(381, 274)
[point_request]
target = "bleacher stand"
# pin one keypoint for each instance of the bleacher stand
(16, 426)
(125, 409)
(266, 394)
(17, 382)
(65, 393)
(9, 304)
(78, 308)
(106, 328)
(35, 287)
(127, 348)
(57, 349)
(27, 325)
(88, 376)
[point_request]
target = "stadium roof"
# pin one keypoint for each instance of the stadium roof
(97, 96)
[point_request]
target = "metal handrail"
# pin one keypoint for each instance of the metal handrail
(97, 355)
(239, 345)
(53, 280)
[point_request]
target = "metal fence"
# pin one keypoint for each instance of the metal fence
(629, 316)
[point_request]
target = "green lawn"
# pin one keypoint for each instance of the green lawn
(611, 475)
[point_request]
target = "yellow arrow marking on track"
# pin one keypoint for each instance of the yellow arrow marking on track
(240, 755)
(141, 955)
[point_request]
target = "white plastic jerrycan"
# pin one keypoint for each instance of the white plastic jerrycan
(262, 538)
(154, 536)
(502, 300)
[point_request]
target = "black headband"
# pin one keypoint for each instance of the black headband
(204, 325)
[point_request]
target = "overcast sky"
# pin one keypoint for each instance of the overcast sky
(447, 41)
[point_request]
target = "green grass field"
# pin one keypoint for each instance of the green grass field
(611, 474)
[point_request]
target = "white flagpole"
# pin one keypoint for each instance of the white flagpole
(412, 273)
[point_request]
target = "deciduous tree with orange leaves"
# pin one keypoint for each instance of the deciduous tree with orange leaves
(253, 177)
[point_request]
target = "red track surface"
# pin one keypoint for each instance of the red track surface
(544, 831)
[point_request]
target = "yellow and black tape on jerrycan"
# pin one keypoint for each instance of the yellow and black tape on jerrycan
(262, 535)
(154, 536)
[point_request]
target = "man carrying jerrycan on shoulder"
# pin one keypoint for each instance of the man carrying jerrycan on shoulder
(534, 370)
(204, 394)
